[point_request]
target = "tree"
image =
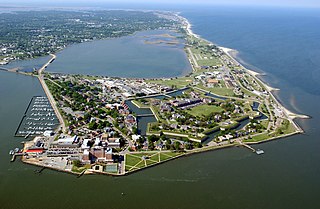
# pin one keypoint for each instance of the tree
(197, 144)
(150, 145)
(177, 145)
(135, 130)
(188, 146)
(93, 125)
(76, 163)
(168, 144)
(153, 138)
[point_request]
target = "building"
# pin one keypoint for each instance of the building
(101, 155)
(114, 142)
(34, 151)
(67, 142)
(212, 82)
(86, 157)
(48, 133)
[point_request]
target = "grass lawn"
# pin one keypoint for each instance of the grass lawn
(204, 110)
(134, 161)
(209, 62)
(179, 82)
(140, 104)
(265, 123)
(258, 138)
(168, 155)
(149, 162)
(80, 169)
(222, 91)
(289, 129)
(219, 91)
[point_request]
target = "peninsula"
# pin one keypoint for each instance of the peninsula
(117, 126)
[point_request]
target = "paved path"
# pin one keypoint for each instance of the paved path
(193, 59)
(48, 93)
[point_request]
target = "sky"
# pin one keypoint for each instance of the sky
(280, 3)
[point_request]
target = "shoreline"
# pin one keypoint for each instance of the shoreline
(270, 89)
(290, 115)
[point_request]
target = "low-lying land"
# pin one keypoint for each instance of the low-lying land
(219, 104)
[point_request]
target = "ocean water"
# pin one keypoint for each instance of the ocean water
(282, 43)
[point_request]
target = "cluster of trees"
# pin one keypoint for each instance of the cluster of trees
(254, 124)
(93, 125)
(169, 144)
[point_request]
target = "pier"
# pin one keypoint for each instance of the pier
(247, 146)
(14, 156)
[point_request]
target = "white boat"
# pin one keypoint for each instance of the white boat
(260, 151)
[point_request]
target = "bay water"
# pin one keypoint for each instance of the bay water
(282, 43)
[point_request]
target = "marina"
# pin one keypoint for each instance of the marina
(38, 117)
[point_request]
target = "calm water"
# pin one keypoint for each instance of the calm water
(286, 176)
(29, 64)
(125, 57)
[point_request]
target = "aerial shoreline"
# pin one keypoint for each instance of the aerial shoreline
(289, 114)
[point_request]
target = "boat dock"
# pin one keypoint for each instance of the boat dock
(247, 146)
(258, 151)
(38, 117)
(14, 156)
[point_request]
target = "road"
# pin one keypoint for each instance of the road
(49, 95)
(193, 59)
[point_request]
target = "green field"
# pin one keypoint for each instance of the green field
(204, 110)
(209, 62)
(80, 169)
(177, 82)
(219, 91)
(135, 161)
(259, 138)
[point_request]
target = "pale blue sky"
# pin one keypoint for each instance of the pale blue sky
(290, 3)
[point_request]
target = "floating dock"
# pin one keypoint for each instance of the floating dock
(38, 117)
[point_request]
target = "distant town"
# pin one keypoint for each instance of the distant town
(117, 126)
(51, 31)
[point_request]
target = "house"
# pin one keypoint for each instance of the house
(222, 138)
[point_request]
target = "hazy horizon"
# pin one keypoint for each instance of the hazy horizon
(94, 3)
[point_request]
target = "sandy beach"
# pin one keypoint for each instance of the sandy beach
(232, 53)
(289, 113)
